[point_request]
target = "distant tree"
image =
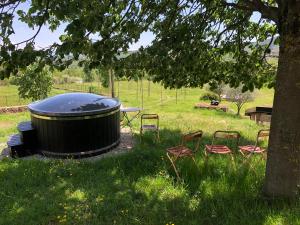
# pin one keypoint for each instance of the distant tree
(218, 89)
(35, 82)
(87, 74)
(238, 97)
(103, 77)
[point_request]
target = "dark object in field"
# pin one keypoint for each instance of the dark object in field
(260, 114)
(74, 125)
(214, 102)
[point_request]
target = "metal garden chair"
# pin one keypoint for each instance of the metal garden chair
(248, 150)
(149, 127)
(182, 151)
(220, 149)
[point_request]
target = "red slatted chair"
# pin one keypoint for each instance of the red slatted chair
(150, 127)
(182, 151)
(248, 150)
(222, 149)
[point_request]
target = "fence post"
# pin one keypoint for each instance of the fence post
(111, 82)
(142, 89)
(176, 95)
(118, 88)
(149, 88)
(161, 94)
(137, 89)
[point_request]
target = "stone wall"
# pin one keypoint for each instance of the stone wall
(13, 109)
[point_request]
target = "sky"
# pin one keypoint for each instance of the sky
(46, 37)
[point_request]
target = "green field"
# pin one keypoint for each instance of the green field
(9, 96)
(139, 187)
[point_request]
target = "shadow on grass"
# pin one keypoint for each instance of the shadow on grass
(137, 188)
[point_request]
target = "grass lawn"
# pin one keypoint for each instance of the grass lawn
(139, 187)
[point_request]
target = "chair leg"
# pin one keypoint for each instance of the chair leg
(264, 155)
(141, 134)
(158, 138)
(242, 152)
(205, 154)
(232, 160)
(247, 161)
(193, 158)
(174, 167)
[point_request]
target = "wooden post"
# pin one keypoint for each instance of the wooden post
(118, 88)
(99, 89)
(149, 82)
(142, 94)
(111, 79)
(176, 95)
(161, 94)
(137, 89)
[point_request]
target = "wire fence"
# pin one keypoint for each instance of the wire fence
(142, 93)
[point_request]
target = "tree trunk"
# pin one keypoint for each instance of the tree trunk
(238, 110)
(283, 163)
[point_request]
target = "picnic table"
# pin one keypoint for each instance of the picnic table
(129, 114)
(203, 105)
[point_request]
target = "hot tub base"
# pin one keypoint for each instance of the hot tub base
(84, 154)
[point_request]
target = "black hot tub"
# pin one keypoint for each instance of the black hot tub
(76, 124)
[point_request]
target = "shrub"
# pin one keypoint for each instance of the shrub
(209, 96)
(35, 82)
(13, 80)
(66, 79)
(93, 89)
(4, 82)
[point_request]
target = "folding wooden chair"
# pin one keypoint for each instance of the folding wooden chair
(248, 150)
(222, 149)
(149, 127)
(181, 151)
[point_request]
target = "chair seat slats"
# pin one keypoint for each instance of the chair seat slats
(180, 151)
(251, 148)
(218, 149)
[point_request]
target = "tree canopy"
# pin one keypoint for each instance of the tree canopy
(196, 42)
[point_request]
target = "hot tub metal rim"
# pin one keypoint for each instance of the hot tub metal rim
(83, 117)
(84, 154)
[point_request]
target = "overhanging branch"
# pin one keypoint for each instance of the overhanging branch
(268, 12)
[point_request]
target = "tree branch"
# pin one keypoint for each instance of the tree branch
(39, 28)
(7, 3)
(268, 12)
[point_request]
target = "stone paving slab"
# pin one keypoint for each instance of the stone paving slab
(126, 144)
